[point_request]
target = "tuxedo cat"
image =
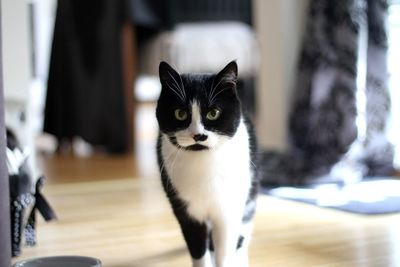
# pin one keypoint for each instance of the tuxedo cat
(207, 157)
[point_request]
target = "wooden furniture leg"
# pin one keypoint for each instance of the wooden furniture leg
(129, 73)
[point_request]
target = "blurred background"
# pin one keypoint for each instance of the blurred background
(75, 73)
(318, 77)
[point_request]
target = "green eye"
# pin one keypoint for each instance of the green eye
(213, 114)
(180, 114)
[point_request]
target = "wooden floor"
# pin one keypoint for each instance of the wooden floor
(113, 208)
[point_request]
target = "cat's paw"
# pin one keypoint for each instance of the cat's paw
(205, 261)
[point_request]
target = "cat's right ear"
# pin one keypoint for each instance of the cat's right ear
(167, 74)
(229, 73)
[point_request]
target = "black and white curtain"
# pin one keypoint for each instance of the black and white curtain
(341, 102)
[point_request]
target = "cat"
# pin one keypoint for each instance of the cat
(207, 158)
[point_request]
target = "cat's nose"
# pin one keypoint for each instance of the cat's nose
(200, 137)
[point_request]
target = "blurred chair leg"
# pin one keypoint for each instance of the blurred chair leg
(129, 73)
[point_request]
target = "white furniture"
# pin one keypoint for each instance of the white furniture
(26, 32)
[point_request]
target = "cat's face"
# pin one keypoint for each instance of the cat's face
(198, 112)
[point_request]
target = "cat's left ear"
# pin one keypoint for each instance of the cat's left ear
(229, 74)
(167, 74)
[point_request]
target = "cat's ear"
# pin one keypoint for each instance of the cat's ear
(167, 74)
(229, 74)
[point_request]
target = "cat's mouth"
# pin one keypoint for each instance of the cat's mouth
(191, 147)
(196, 147)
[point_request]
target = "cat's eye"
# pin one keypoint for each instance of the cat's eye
(213, 114)
(180, 114)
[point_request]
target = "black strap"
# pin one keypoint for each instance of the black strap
(45, 210)
(41, 203)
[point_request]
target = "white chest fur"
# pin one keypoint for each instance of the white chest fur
(212, 181)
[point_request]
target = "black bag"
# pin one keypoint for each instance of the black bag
(25, 197)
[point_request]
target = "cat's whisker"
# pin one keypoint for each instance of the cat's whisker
(180, 89)
(215, 96)
(176, 92)
(167, 158)
(183, 87)
(173, 90)
(209, 93)
(174, 160)
(213, 90)
(183, 96)
(176, 88)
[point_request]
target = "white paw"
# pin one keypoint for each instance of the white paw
(205, 261)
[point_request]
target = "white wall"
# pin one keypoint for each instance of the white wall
(16, 49)
(279, 25)
(24, 93)
(44, 16)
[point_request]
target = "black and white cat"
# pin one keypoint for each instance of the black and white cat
(207, 153)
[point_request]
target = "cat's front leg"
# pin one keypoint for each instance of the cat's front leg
(243, 244)
(204, 261)
(195, 235)
(225, 237)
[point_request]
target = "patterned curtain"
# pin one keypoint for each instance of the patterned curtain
(341, 102)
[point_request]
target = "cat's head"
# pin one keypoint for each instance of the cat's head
(198, 112)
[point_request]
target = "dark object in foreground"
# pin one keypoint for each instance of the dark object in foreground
(25, 197)
(60, 261)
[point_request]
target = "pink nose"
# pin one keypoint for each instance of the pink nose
(200, 137)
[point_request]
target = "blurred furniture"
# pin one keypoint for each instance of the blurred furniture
(5, 248)
(14, 101)
(202, 36)
(89, 92)
(128, 55)
(17, 67)
(210, 10)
